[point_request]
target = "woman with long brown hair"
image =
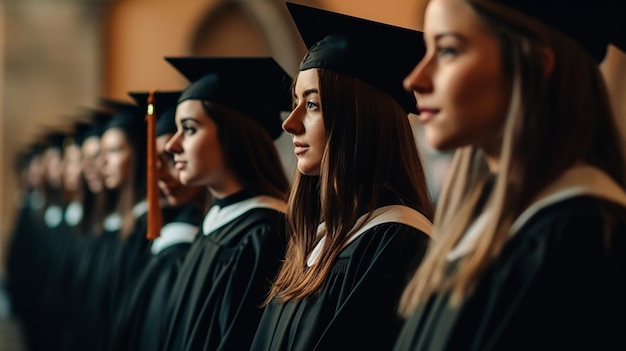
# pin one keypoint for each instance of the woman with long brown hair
(227, 120)
(359, 211)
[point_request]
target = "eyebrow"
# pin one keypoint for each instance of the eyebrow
(187, 119)
(447, 34)
(308, 92)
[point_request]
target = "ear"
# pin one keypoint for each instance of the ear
(546, 56)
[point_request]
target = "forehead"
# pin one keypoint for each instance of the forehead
(452, 16)
(113, 135)
(189, 108)
(307, 79)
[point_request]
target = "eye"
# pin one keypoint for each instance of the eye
(446, 51)
(188, 129)
(312, 105)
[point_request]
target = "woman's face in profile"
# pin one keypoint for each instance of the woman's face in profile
(175, 192)
(460, 85)
(198, 155)
(115, 158)
(90, 166)
(306, 123)
(72, 171)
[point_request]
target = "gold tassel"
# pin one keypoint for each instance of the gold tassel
(153, 193)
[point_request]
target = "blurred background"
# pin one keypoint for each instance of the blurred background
(59, 56)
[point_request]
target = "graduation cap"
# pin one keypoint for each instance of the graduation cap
(96, 120)
(377, 53)
(82, 130)
(255, 86)
(593, 24)
(36, 148)
(164, 104)
(125, 116)
(55, 139)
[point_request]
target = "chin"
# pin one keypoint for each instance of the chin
(189, 180)
(172, 201)
(440, 144)
(309, 172)
(110, 186)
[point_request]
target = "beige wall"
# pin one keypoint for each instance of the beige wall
(140, 33)
(50, 65)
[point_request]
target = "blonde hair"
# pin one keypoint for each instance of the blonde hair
(569, 109)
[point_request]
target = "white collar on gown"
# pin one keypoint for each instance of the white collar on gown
(577, 181)
(386, 214)
(218, 216)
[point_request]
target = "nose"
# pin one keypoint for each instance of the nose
(293, 124)
(100, 160)
(419, 81)
(173, 145)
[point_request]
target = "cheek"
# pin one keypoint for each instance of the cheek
(476, 96)
(211, 154)
(317, 132)
(170, 173)
(122, 165)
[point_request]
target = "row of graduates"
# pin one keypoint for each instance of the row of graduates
(79, 240)
(527, 250)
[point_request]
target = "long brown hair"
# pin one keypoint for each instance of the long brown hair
(553, 122)
(370, 147)
(134, 190)
(249, 152)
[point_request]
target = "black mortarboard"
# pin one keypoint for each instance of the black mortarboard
(126, 116)
(97, 119)
(81, 132)
(377, 53)
(593, 24)
(164, 108)
(55, 139)
(36, 148)
(255, 86)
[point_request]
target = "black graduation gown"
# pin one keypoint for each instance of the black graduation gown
(559, 284)
(139, 327)
(56, 301)
(24, 268)
(93, 289)
(75, 291)
(356, 307)
(225, 276)
(128, 261)
(19, 267)
(133, 256)
(51, 243)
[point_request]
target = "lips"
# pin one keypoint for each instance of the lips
(426, 114)
(167, 190)
(299, 148)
